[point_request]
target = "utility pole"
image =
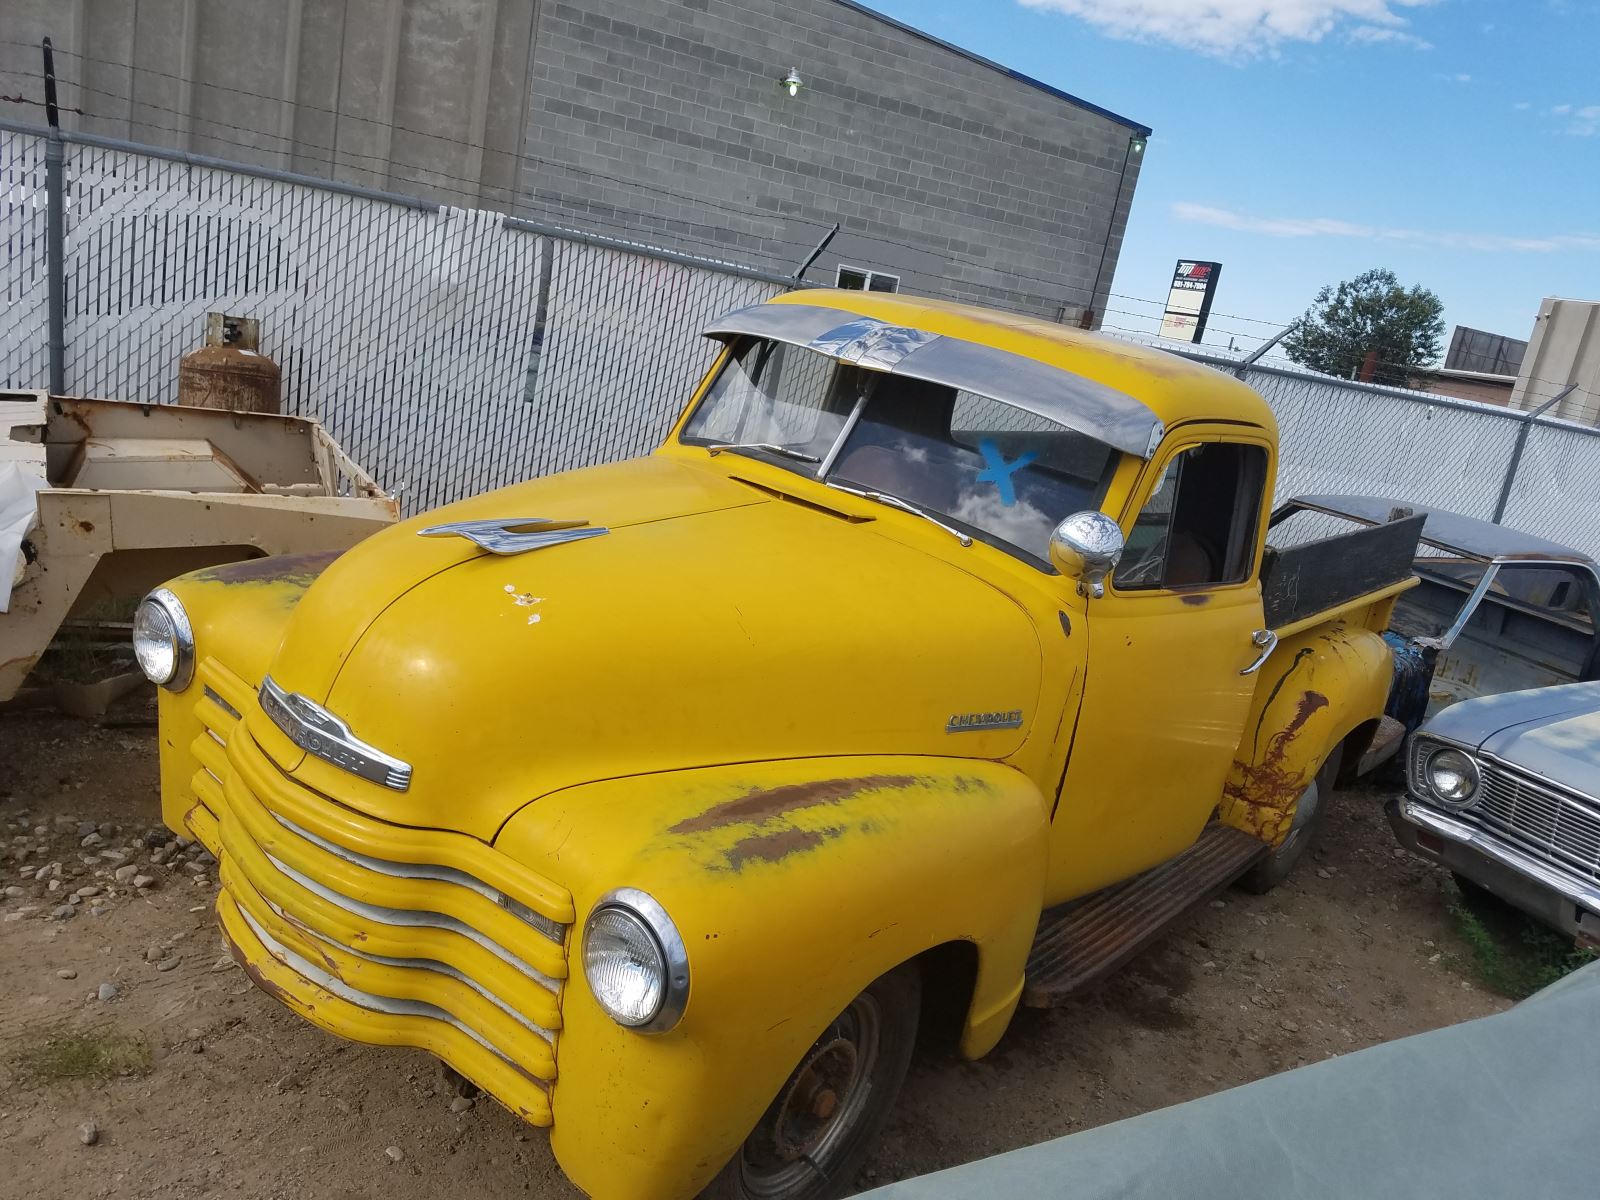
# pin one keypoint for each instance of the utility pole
(55, 229)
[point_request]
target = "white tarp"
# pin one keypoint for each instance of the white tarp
(19, 510)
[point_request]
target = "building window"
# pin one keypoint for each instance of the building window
(859, 279)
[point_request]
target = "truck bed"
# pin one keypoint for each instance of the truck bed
(1307, 581)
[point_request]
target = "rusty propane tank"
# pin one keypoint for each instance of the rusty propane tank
(229, 371)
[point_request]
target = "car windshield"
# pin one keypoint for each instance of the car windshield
(993, 471)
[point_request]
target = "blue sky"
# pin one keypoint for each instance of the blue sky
(1299, 142)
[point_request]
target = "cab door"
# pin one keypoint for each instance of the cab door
(1172, 663)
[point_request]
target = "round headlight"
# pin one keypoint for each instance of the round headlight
(163, 641)
(635, 961)
(1452, 777)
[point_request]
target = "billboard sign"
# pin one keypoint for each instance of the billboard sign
(1189, 300)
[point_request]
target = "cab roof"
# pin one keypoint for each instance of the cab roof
(1175, 389)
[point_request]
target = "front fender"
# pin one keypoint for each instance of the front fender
(794, 885)
(238, 612)
(1317, 687)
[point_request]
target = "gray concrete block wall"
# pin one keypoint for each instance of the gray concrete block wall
(664, 121)
(656, 120)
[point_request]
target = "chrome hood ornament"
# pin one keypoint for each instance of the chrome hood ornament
(516, 535)
(317, 731)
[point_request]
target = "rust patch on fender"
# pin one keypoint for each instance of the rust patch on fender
(281, 568)
(1268, 790)
(774, 847)
(766, 803)
(1197, 599)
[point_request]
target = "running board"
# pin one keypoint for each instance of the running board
(1083, 941)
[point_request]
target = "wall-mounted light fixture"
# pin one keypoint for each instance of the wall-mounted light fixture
(1136, 145)
(792, 83)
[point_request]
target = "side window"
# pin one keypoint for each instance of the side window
(1198, 528)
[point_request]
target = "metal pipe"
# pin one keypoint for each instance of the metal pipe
(1256, 355)
(1111, 226)
(799, 272)
(55, 234)
(1522, 443)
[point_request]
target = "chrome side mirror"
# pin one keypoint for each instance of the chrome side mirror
(1087, 547)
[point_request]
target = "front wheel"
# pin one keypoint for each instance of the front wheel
(814, 1136)
(1310, 810)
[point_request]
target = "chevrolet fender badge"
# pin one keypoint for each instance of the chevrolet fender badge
(973, 722)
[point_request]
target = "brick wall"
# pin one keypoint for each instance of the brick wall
(664, 121)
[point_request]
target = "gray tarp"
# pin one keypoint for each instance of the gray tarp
(1499, 1108)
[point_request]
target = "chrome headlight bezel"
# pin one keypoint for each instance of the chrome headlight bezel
(1464, 765)
(180, 635)
(642, 908)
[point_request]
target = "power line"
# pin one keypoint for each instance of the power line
(461, 143)
(618, 218)
(1056, 286)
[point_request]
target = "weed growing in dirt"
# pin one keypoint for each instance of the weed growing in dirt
(1512, 953)
(101, 1054)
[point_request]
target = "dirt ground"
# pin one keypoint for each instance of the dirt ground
(240, 1098)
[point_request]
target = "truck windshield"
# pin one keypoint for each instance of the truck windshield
(994, 471)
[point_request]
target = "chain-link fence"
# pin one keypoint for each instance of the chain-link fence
(449, 350)
(1345, 436)
(452, 350)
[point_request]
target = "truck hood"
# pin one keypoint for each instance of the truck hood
(713, 624)
(1557, 737)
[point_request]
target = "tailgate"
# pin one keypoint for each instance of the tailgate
(1313, 578)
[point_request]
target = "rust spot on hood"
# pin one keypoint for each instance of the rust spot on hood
(773, 847)
(281, 568)
(764, 804)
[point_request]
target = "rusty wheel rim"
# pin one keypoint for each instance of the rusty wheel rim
(808, 1126)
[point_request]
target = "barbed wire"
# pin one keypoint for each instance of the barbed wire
(618, 218)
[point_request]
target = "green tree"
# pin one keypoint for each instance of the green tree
(1403, 328)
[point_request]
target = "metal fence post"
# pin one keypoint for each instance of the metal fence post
(55, 230)
(1521, 444)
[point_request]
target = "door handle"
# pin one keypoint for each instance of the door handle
(1267, 642)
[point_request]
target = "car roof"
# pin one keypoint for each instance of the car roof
(1453, 532)
(1174, 388)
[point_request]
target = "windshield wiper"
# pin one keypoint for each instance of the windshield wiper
(902, 505)
(769, 447)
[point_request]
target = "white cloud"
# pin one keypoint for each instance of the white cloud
(1301, 227)
(1522, 106)
(1456, 78)
(1243, 27)
(1580, 120)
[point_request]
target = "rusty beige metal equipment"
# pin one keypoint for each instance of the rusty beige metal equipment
(130, 494)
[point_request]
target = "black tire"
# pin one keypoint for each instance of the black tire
(1303, 831)
(799, 1152)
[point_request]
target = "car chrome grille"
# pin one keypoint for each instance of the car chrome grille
(415, 929)
(1540, 818)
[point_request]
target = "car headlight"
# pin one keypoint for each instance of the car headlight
(1452, 777)
(163, 640)
(635, 961)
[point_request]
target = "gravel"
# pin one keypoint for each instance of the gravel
(88, 1133)
(394, 1153)
(106, 992)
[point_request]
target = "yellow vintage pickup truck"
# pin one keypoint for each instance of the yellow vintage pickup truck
(934, 663)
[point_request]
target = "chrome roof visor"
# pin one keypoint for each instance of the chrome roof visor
(1080, 404)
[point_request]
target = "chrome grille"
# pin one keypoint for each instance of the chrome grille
(1542, 819)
